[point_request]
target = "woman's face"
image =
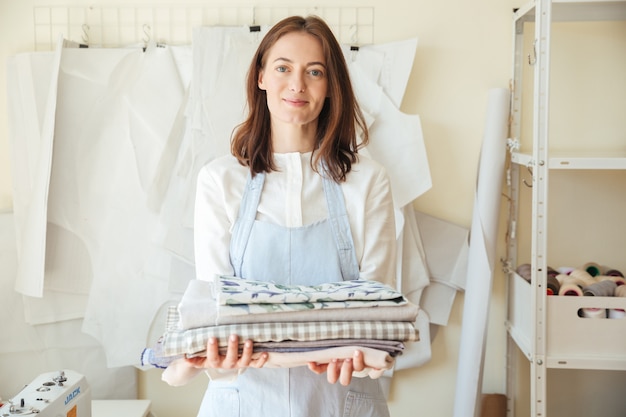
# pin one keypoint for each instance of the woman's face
(294, 78)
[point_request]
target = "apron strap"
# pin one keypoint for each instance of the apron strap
(340, 225)
(245, 219)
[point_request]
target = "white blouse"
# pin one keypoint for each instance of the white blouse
(294, 196)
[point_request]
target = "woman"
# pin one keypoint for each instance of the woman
(295, 204)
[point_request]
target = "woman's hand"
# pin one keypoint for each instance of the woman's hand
(232, 359)
(340, 369)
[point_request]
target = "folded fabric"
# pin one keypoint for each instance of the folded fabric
(154, 356)
(232, 290)
(375, 358)
(177, 342)
(377, 362)
(393, 347)
(198, 308)
(194, 318)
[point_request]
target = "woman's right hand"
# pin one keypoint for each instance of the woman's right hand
(232, 359)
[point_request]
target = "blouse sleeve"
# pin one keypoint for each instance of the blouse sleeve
(211, 228)
(378, 261)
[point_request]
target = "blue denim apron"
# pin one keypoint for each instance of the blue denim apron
(309, 255)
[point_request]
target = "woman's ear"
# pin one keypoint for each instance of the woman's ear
(260, 81)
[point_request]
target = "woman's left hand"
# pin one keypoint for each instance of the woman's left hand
(340, 369)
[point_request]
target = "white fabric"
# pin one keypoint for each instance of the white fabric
(446, 246)
(396, 139)
(112, 116)
(124, 126)
(27, 351)
(33, 159)
(377, 359)
(29, 84)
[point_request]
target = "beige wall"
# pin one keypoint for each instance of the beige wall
(465, 48)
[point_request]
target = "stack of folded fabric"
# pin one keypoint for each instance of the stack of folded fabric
(294, 324)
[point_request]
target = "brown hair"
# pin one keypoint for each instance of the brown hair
(337, 142)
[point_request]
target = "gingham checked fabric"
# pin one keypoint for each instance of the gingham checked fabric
(177, 342)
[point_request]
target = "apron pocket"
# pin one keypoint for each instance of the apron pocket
(359, 404)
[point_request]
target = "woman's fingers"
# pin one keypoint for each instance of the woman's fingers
(260, 361)
(340, 369)
(232, 352)
(333, 371)
(246, 354)
(345, 373)
(358, 361)
(213, 358)
(318, 368)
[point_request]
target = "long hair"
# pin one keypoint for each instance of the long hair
(340, 121)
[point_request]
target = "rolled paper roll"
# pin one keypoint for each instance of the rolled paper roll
(524, 271)
(594, 313)
(616, 313)
(620, 291)
(614, 273)
(604, 288)
(582, 276)
(615, 278)
(553, 285)
(592, 268)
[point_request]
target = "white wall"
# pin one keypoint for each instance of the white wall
(464, 50)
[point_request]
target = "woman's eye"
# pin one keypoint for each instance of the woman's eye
(281, 69)
(316, 73)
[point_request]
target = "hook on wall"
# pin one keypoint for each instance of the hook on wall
(146, 32)
(85, 34)
(532, 58)
(532, 178)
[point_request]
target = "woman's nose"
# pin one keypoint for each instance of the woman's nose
(297, 84)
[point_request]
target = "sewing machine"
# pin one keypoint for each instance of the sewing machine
(54, 394)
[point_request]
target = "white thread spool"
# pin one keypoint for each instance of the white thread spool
(582, 276)
(594, 313)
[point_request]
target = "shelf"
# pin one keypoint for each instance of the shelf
(576, 160)
(573, 342)
(573, 10)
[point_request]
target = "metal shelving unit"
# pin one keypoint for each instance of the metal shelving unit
(534, 320)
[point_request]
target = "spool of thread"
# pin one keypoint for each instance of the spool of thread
(614, 273)
(604, 288)
(565, 269)
(552, 272)
(620, 291)
(615, 278)
(570, 287)
(553, 285)
(524, 271)
(592, 268)
(582, 276)
(561, 278)
(616, 313)
(594, 313)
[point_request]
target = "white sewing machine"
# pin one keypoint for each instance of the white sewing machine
(54, 394)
